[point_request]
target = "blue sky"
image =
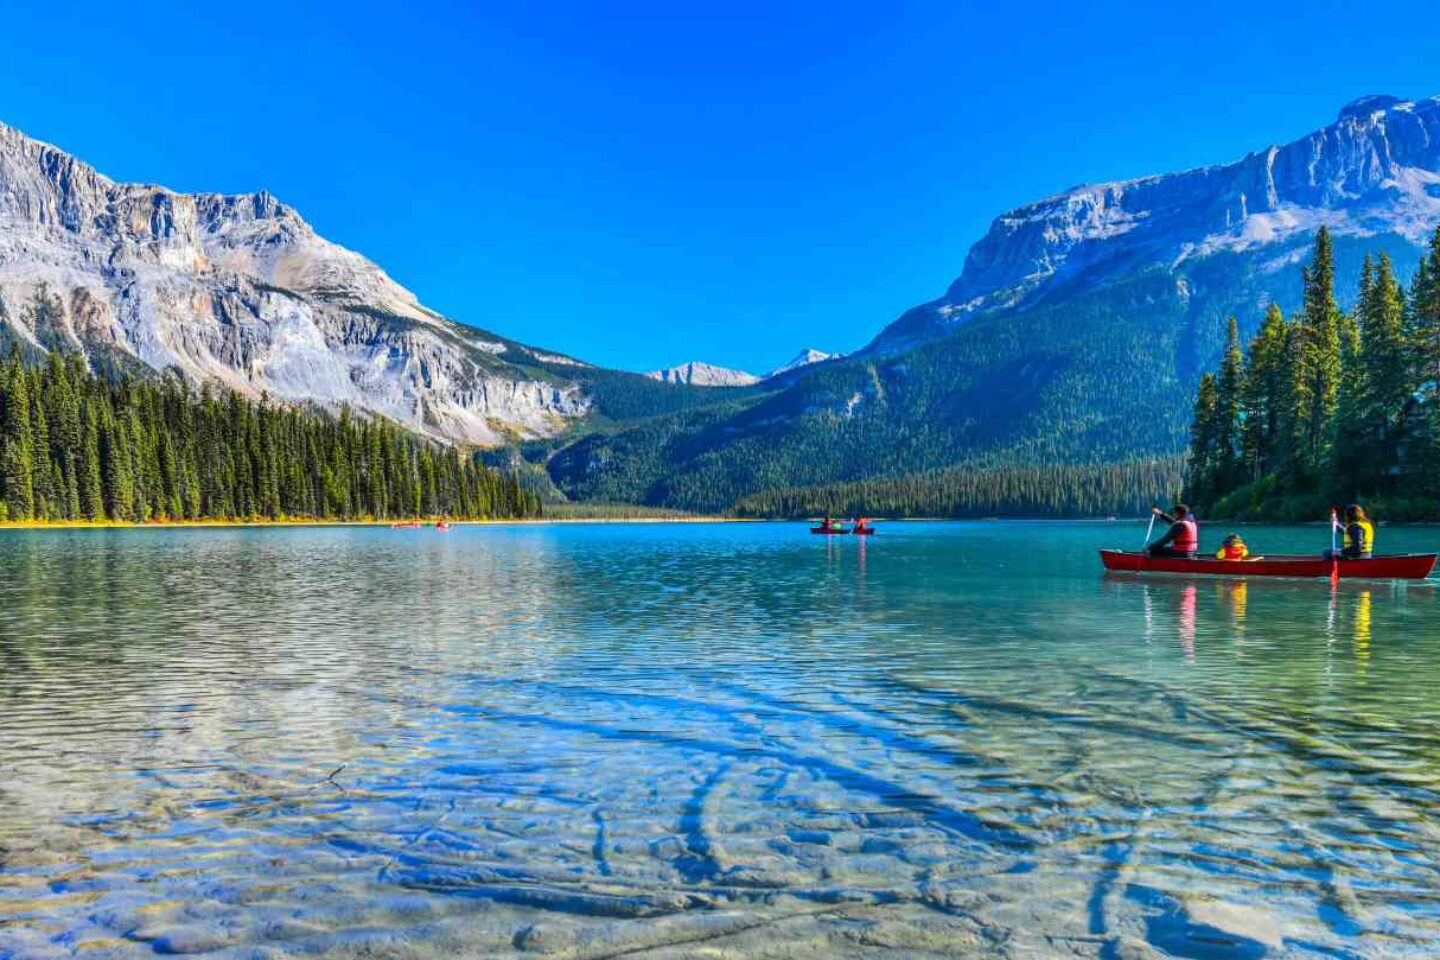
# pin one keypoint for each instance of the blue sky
(643, 184)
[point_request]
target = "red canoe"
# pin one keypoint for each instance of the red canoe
(832, 531)
(1405, 566)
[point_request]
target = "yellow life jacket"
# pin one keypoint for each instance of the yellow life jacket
(1367, 535)
(1232, 551)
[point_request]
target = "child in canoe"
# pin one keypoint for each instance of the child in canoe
(1233, 548)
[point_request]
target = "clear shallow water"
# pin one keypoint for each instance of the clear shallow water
(728, 741)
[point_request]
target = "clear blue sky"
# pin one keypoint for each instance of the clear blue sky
(643, 184)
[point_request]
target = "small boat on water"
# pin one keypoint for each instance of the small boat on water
(837, 528)
(1405, 566)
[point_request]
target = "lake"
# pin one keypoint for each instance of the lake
(729, 740)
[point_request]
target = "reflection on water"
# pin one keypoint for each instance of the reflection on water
(661, 740)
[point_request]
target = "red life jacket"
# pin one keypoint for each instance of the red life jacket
(1188, 539)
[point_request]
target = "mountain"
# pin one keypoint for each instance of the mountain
(804, 358)
(1075, 332)
(698, 374)
(1372, 176)
(239, 290)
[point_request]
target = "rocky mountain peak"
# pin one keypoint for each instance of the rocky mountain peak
(804, 358)
(1367, 106)
(1374, 173)
(697, 373)
(240, 290)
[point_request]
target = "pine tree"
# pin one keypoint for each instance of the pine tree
(1424, 325)
(1229, 405)
(1391, 378)
(1351, 446)
(1319, 381)
(1200, 474)
(1266, 392)
(16, 449)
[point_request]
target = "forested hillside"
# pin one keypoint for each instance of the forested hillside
(74, 446)
(1076, 333)
(1067, 384)
(1328, 406)
(1127, 489)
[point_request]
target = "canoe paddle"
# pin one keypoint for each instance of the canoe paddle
(1334, 548)
(1149, 530)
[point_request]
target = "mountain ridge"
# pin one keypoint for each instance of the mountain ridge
(1375, 170)
(240, 290)
(697, 373)
(1074, 334)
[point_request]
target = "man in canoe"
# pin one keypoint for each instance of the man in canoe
(1183, 537)
(1358, 533)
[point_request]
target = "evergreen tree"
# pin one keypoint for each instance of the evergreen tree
(1200, 474)
(16, 444)
(1229, 406)
(1424, 326)
(1267, 383)
(1390, 376)
(1350, 452)
(1319, 375)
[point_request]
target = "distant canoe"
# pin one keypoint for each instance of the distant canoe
(1407, 566)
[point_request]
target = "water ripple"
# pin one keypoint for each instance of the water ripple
(595, 741)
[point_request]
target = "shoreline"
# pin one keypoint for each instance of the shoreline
(396, 524)
(560, 521)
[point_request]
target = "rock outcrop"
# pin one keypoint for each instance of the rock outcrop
(698, 374)
(804, 358)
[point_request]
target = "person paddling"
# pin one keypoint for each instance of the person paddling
(1183, 537)
(1359, 536)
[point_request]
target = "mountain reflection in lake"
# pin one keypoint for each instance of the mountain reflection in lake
(661, 740)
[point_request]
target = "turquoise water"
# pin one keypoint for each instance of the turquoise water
(708, 740)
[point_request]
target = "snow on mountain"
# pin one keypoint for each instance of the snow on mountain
(803, 359)
(1374, 172)
(698, 374)
(241, 291)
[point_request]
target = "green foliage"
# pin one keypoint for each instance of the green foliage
(613, 511)
(1048, 491)
(74, 446)
(1335, 407)
(1058, 385)
(621, 396)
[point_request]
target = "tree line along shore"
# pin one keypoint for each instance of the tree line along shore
(1327, 407)
(76, 447)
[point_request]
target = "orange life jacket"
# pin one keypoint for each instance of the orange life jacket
(1188, 539)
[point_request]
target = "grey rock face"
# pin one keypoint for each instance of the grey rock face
(804, 358)
(1374, 171)
(698, 374)
(241, 291)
